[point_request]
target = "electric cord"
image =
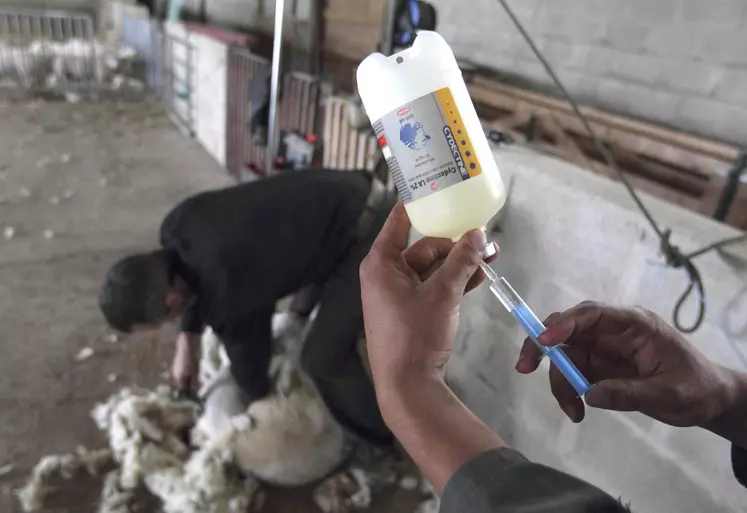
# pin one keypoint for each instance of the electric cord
(673, 255)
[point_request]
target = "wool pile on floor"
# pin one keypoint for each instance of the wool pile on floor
(196, 464)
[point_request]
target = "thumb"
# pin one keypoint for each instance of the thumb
(462, 262)
(620, 395)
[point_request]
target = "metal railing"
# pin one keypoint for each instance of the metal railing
(298, 110)
(178, 90)
(344, 146)
(42, 50)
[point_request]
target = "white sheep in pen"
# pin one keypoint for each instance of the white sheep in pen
(54, 64)
(24, 65)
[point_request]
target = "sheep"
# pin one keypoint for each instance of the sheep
(24, 65)
(80, 60)
(288, 438)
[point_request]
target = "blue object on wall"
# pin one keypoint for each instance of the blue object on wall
(175, 10)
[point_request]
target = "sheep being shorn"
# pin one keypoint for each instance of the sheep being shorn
(214, 463)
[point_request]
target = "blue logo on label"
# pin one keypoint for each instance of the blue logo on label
(414, 136)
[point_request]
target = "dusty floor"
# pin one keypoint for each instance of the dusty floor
(81, 186)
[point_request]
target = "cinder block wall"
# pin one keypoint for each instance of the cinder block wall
(567, 237)
(678, 62)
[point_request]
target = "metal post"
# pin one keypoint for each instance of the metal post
(277, 53)
(390, 23)
(731, 187)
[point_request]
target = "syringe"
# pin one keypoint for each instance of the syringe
(534, 328)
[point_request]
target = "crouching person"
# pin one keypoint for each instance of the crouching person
(229, 255)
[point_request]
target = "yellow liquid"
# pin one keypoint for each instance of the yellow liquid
(462, 207)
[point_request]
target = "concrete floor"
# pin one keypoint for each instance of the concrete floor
(125, 167)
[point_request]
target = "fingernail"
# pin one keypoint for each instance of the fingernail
(477, 239)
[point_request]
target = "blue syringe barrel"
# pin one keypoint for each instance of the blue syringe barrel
(534, 328)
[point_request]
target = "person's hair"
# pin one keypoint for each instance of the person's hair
(135, 290)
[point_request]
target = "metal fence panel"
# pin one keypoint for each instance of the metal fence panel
(344, 146)
(298, 110)
(43, 50)
(178, 81)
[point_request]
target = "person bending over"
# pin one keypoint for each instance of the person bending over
(411, 301)
(229, 255)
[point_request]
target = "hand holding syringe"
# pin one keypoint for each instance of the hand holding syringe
(534, 328)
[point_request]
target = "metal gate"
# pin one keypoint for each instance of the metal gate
(178, 81)
(344, 146)
(298, 111)
(47, 50)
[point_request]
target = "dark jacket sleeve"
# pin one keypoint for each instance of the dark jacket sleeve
(502, 480)
(739, 463)
(192, 321)
(248, 345)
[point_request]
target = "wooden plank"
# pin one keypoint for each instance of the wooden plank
(352, 147)
(360, 158)
(335, 136)
(372, 153)
(564, 142)
(327, 133)
(683, 140)
(352, 41)
(303, 121)
(631, 163)
(343, 135)
(516, 134)
(370, 12)
(312, 106)
(687, 161)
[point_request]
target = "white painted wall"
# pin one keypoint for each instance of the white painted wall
(209, 88)
(678, 62)
(569, 236)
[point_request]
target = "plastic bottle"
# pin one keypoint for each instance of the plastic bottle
(433, 141)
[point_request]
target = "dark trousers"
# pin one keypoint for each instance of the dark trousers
(330, 353)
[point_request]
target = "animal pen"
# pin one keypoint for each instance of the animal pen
(34, 43)
(306, 108)
(57, 52)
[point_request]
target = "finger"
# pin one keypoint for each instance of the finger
(606, 328)
(566, 396)
(473, 282)
(479, 275)
(530, 355)
(426, 253)
(395, 235)
(462, 263)
(621, 395)
(578, 319)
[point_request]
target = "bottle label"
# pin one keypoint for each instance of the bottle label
(426, 145)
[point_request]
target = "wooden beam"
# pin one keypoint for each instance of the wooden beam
(715, 149)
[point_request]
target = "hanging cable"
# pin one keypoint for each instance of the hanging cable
(672, 254)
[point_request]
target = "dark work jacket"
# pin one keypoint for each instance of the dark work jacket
(739, 463)
(241, 249)
(503, 481)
